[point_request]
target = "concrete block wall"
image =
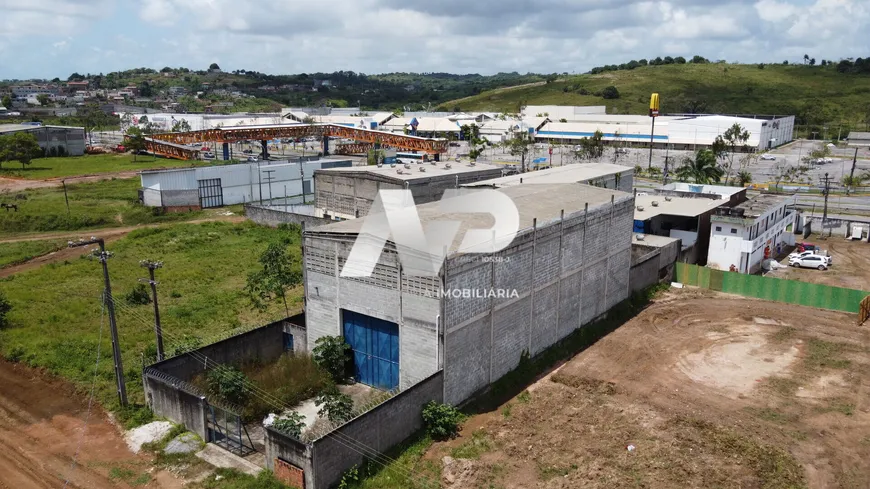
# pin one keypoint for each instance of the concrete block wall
(175, 198)
(384, 295)
(273, 217)
(566, 273)
(176, 404)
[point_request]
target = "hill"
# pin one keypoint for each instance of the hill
(815, 94)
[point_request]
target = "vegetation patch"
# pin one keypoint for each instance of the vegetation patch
(479, 444)
(22, 251)
(233, 479)
(824, 354)
(43, 168)
(402, 468)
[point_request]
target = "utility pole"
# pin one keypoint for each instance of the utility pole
(852, 173)
(826, 180)
(103, 256)
(260, 179)
(158, 332)
(65, 197)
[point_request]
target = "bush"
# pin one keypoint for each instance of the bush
(5, 307)
(441, 420)
(291, 380)
(290, 424)
(610, 92)
(229, 384)
(138, 296)
(335, 406)
(333, 355)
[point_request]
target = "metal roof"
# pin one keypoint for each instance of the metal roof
(574, 173)
(413, 173)
(671, 206)
(27, 127)
(542, 202)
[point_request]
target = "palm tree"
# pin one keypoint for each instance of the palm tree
(702, 169)
(743, 178)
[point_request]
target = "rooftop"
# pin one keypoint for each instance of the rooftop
(858, 137)
(542, 202)
(720, 190)
(760, 205)
(676, 206)
(28, 127)
(574, 173)
(414, 173)
(652, 240)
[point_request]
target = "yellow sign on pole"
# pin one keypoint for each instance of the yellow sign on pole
(654, 105)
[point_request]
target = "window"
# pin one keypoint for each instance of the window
(733, 231)
(718, 228)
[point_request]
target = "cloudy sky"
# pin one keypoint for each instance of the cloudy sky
(48, 38)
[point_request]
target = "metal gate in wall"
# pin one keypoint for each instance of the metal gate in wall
(375, 345)
(226, 430)
(211, 193)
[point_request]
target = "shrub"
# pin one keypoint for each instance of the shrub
(138, 296)
(335, 406)
(229, 384)
(333, 355)
(5, 307)
(610, 92)
(291, 380)
(290, 424)
(441, 420)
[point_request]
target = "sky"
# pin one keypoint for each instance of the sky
(54, 38)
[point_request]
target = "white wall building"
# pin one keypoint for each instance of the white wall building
(555, 112)
(745, 235)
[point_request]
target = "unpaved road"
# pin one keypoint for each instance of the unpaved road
(8, 184)
(700, 390)
(41, 422)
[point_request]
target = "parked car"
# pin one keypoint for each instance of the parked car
(253, 159)
(248, 151)
(768, 157)
(811, 261)
(208, 156)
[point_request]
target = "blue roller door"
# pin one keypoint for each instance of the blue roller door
(375, 345)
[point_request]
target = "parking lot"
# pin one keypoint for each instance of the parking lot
(850, 267)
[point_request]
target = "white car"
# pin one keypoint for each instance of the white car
(768, 157)
(811, 261)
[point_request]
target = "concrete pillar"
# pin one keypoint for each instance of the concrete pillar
(226, 151)
(325, 145)
(265, 145)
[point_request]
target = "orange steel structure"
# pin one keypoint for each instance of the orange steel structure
(353, 149)
(171, 144)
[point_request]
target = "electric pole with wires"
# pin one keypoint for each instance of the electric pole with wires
(826, 181)
(158, 332)
(103, 255)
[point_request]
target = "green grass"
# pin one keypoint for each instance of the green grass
(55, 319)
(823, 354)
(19, 252)
(42, 168)
(821, 93)
(107, 203)
(233, 479)
(479, 444)
(406, 470)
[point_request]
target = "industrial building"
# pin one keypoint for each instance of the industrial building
(859, 139)
(348, 193)
(674, 132)
(734, 195)
(742, 237)
(54, 140)
(603, 175)
(570, 113)
(683, 218)
(568, 265)
(216, 186)
(198, 122)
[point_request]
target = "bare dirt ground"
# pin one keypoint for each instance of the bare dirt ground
(851, 265)
(698, 391)
(9, 184)
(41, 421)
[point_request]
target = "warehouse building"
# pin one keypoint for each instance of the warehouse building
(54, 140)
(285, 183)
(674, 132)
(742, 237)
(603, 175)
(348, 193)
(568, 265)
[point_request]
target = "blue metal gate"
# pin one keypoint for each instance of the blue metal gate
(375, 345)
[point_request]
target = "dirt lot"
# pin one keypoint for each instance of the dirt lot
(41, 420)
(851, 265)
(700, 390)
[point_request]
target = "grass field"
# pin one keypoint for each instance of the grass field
(14, 253)
(56, 317)
(107, 203)
(822, 94)
(42, 168)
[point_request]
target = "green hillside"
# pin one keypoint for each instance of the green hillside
(816, 94)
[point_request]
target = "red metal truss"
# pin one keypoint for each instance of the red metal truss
(353, 149)
(265, 133)
(170, 150)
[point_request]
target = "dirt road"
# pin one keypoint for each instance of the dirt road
(8, 184)
(41, 420)
(698, 391)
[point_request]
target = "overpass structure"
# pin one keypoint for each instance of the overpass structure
(186, 145)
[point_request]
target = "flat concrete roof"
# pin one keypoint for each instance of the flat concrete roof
(437, 170)
(543, 202)
(760, 204)
(676, 206)
(577, 172)
(652, 240)
(721, 190)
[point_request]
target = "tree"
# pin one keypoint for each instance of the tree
(744, 178)
(806, 58)
(471, 133)
(442, 421)
(702, 169)
(728, 144)
(214, 66)
(699, 59)
(166, 69)
(93, 118)
(229, 384)
(280, 271)
(7, 101)
(590, 148)
(812, 61)
(19, 146)
(610, 92)
(519, 145)
(669, 60)
(332, 354)
(134, 141)
(849, 182)
(782, 171)
(181, 126)
(43, 99)
(680, 60)
(5, 307)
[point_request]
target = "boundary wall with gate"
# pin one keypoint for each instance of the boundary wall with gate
(772, 289)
